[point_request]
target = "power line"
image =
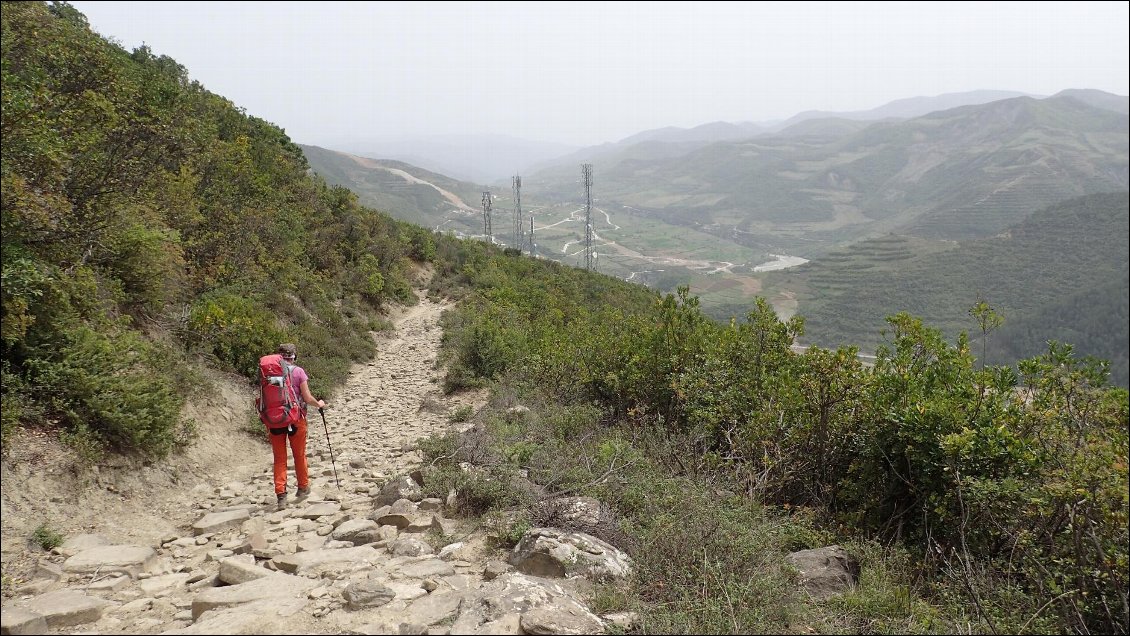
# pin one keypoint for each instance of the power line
(518, 226)
(586, 175)
(487, 204)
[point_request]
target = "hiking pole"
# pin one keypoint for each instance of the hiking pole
(322, 412)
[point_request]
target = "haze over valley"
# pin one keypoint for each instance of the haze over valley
(854, 197)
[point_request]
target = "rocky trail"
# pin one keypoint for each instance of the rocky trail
(200, 548)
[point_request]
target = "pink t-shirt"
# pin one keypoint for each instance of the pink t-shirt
(297, 377)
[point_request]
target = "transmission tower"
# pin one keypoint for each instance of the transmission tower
(586, 175)
(487, 202)
(518, 212)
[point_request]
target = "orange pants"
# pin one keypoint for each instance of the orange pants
(298, 448)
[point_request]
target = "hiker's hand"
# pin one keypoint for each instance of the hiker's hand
(321, 404)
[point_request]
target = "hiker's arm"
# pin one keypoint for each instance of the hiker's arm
(309, 398)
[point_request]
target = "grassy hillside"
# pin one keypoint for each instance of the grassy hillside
(1054, 276)
(379, 184)
(147, 224)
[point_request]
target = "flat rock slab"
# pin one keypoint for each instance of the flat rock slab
(324, 509)
(826, 571)
(562, 618)
(427, 568)
(550, 552)
(217, 521)
(78, 543)
(107, 559)
(435, 607)
(406, 590)
(355, 530)
(280, 587)
(163, 585)
(364, 594)
(14, 620)
(294, 563)
(236, 570)
(266, 616)
(67, 607)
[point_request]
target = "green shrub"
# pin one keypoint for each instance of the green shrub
(88, 445)
(569, 422)
(478, 494)
(368, 280)
(463, 413)
(47, 538)
(14, 403)
(888, 598)
(235, 328)
(148, 263)
(435, 448)
(506, 530)
(117, 389)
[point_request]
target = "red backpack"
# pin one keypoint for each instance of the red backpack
(278, 402)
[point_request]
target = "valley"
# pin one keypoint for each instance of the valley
(841, 221)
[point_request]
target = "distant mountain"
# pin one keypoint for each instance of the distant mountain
(829, 129)
(1098, 99)
(715, 131)
(652, 144)
(1060, 274)
(829, 126)
(477, 158)
(403, 191)
(907, 108)
(954, 174)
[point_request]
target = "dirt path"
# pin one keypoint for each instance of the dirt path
(385, 406)
(389, 403)
(200, 547)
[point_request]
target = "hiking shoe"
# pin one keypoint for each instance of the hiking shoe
(302, 494)
(282, 501)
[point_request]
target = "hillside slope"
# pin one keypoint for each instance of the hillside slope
(961, 173)
(404, 191)
(1054, 276)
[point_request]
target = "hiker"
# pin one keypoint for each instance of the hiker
(296, 430)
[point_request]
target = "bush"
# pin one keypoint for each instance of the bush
(47, 538)
(12, 403)
(235, 328)
(117, 389)
(506, 530)
(463, 413)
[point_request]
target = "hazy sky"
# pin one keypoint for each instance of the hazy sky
(586, 73)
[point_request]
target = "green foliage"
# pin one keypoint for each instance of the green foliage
(436, 447)
(506, 531)
(12, 404)
(370, 283)
(148, 265)
(116, 389)
(479, 494)
(888, 599)
(1038, 276)
(46, 537)
(463, 413)
(236, 329)
(141, 209)
(992, 479)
